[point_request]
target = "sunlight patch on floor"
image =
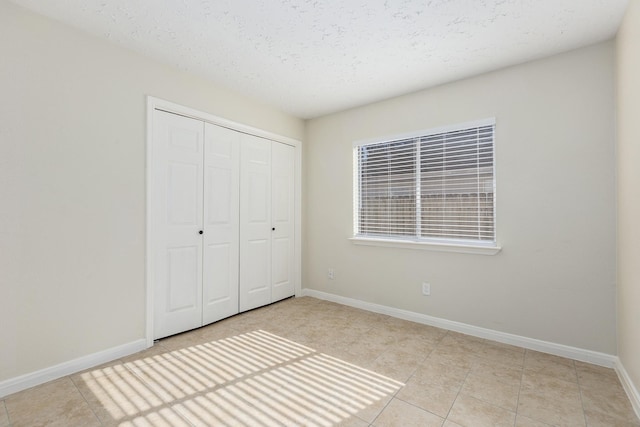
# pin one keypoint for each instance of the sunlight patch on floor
(256, 378)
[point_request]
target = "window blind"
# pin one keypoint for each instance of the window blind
(437, 186)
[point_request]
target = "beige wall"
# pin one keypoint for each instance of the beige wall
(72, 208)
(72, 186)
(628, 72)
(555, 277)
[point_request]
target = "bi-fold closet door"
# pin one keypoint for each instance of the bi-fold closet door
(266, 222)
(216, 194)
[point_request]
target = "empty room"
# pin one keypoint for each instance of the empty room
(319, 213)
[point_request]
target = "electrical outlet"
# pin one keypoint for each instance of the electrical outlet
(426, 288)
(331, 274)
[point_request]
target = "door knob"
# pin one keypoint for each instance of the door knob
(200, 232)
(273, 229)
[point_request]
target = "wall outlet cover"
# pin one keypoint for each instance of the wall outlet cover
(426, 288)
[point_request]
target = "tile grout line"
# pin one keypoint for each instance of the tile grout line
(132, 372)
(382, 410)
(459, 390)
(407, 381)
(524, 362)
(486, 342)
(584, 412)
(438, 343)
(85, 399)
(395, 394)
(149, 386)
(153, 390)
(457, 395)
(416, 406)
(6, 411)
(498, 380)
(446, 417)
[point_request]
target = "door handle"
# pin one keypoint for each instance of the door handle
(200, 232)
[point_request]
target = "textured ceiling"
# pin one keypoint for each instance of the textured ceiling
(313, 57)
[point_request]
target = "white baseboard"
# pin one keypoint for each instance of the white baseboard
(629, 387)
(574, 353)
(23, 382)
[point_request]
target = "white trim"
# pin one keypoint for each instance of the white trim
(23, 382)
(170, 107)
(298, 221)
(148, 272)
(589, 356)
(414, 134)
(629, 387)
(429, 246)
(416, 242)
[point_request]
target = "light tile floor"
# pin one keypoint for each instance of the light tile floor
(306, 362)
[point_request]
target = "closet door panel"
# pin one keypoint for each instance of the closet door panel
(222, 222)
(182, 278)
(221, 227)
(178, 148)
(280, 274)
(256, 273)
(283, 211)
(255, 222)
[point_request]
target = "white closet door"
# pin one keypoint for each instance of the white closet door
(282, 211)
(255, 222)
(178, 159)
(221, 219)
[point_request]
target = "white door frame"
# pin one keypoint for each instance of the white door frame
(161, 104)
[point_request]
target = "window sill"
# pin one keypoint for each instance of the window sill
(428, 246)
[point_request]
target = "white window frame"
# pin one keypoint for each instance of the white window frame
(411, 242)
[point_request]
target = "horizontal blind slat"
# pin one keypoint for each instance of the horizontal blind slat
(452, 180)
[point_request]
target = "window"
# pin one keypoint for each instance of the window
(436, 187)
